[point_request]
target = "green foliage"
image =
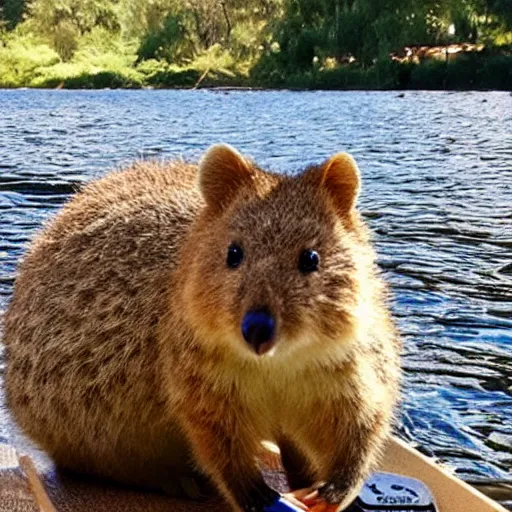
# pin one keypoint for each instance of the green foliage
(429, 75)
(22, 58)
(269, 70)
(62, 22)
(496, 73)
(169, 42)
(64, 39)
(161, 74)
(297, 43)
(84, 15)
(215, 58)
(301, 50)
(12, 12)
(100, 80)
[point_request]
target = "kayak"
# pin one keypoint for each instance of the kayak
(406, 481)
(450, 493)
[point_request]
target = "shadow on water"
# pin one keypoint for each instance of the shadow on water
(437, 194)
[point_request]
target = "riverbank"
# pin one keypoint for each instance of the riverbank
(261, 43)
(41, 67)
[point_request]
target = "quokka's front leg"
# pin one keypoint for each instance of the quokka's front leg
(228, 455)
(297, 467)
(346, 449)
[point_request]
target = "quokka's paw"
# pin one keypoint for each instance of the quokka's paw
(323, 506)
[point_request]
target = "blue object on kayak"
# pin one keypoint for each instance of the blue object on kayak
(282, 505)
(384, 492)
(389, 492)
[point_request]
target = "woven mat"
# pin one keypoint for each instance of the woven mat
(25, 489)
(31, 483)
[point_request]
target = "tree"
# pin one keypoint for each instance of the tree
(65, 21)
(12, 12)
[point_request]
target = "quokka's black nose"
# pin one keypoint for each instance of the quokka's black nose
(258, 328)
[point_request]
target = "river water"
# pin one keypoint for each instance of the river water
(437, 171)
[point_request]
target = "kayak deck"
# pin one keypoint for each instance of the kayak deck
(23, 488)
(451, 494)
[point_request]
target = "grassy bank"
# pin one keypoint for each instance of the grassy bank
(482, 71)
(494, 73)
(29, 62)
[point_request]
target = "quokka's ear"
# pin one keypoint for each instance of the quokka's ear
(223, 171)
(340, 177)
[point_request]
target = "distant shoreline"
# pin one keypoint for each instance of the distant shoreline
(227, 89)
(467, 73)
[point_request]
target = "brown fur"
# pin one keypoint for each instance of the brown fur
(125, 356)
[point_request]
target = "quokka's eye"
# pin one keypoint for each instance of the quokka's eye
(235, 256)
(308, 261)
